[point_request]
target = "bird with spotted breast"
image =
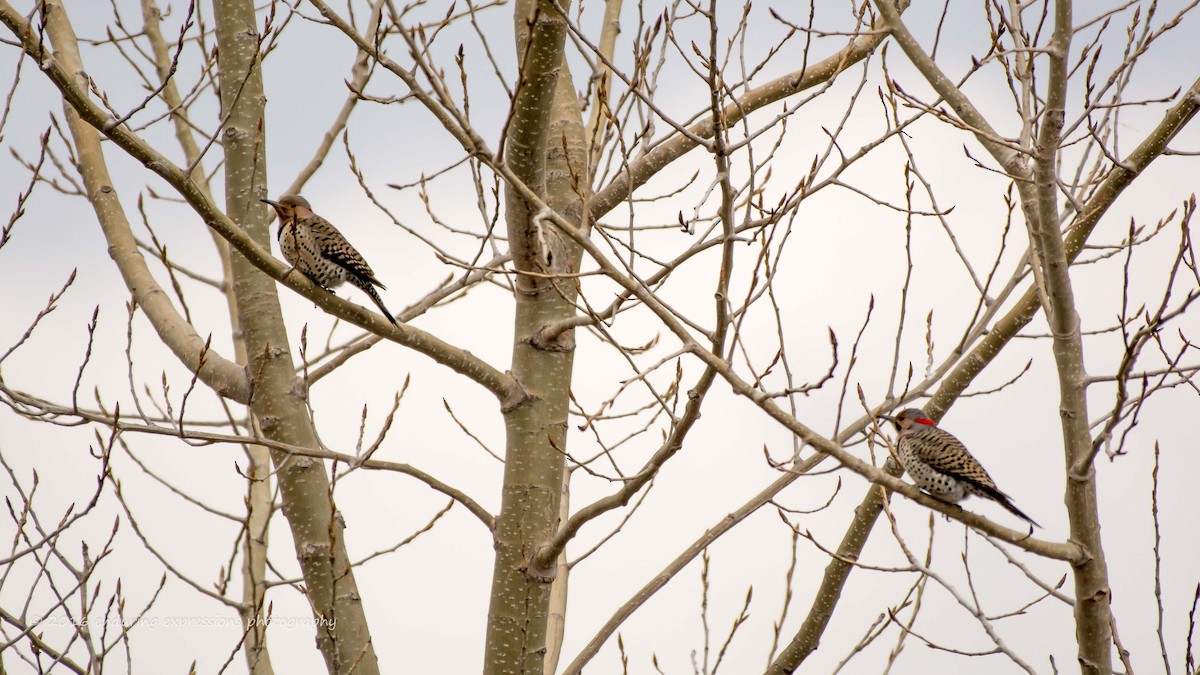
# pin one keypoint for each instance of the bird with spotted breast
(941, 465)
(315, 247)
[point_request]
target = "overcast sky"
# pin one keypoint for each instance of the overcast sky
(427, 603)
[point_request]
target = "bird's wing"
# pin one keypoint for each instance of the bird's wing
(945, 453)
(952, 458)
(335, 247)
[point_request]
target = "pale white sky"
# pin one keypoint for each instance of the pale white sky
(427, 603)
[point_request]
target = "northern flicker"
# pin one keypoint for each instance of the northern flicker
(316, 248)
(941, 465)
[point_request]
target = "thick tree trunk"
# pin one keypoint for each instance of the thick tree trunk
(1093, 610)
(536, 429)
(280, 410)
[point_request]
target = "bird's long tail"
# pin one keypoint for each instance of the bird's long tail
(1004, 501)
(374, 295)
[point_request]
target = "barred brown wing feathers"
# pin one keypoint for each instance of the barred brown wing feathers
(939, 451)
(335, 248)
(945, 453)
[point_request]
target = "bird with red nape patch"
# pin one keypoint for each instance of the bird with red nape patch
(941, 465)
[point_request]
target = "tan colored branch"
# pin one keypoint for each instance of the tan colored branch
(448, 288)
(601, 77)
(43, 407)
(1093, 594)
(556, 611)
(643, 169)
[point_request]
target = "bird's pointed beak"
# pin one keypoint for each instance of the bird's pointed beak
(268, 201)
(886, 417)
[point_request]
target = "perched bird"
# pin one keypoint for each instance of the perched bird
(941, 465)
(315, 247)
